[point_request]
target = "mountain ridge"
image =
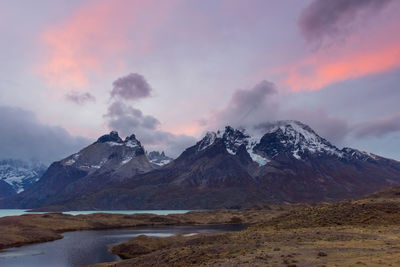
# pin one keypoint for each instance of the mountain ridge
(290, 162)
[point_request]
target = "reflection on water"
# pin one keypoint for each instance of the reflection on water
(87, 247)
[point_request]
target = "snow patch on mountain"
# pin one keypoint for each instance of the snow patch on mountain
(20, 174)
(233, 139)
(157, 158)
(302, 138)
(207, 141)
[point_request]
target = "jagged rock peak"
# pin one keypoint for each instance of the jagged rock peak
(158, 158)
(231, 137)
(111, 137)
(233, 140)
(131, 141)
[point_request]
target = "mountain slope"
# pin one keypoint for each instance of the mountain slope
(107, 160)
(226, 169)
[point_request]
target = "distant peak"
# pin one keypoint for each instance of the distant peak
(111, 137)
(131, 137)
(158, 158)
(229, 128)
(296, 138)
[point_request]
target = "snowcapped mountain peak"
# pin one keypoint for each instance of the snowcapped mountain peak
(131, 141)
(158, 158)
(20, 174)
(296, 138)
(281, 140)
(109, 150)
(233, 139)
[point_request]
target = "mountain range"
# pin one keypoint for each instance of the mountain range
(289, 162)
(18, 175)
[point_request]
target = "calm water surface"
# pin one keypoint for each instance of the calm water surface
(15, 212)
(88, 247)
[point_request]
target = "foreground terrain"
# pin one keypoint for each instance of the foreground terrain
(33, 228)
(359, 233)
(365, 232)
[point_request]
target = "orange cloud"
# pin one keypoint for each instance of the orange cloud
(359, 56)
(321, 73)
(95, 38)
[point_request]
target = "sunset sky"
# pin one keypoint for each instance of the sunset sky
(169, 70)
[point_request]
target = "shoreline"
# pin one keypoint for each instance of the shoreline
(17, 231)
(344, 233)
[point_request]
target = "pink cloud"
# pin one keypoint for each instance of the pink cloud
(96, 38)
(318, 71)
(367, 50)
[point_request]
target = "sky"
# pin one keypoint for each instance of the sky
(170, 70)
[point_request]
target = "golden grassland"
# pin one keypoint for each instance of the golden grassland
(359, 233)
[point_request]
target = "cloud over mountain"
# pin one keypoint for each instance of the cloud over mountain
(23, 136)
(126, 119)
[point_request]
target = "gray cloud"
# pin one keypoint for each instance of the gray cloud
(131, 87)
(262, 104)
(126, 119)
(22, 136)
(247, 107)
(324, 19)
(378, 128)
(80, 98)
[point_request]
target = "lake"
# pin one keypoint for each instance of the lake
(80, 248)
(15, 212)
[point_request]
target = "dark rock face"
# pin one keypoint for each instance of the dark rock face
(111, 137)
(229, 169)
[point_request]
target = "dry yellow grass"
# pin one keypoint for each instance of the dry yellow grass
(337, 234)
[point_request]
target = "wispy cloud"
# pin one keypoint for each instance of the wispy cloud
(378, 127)
(80, 98)
(95, 37)
(324, 21)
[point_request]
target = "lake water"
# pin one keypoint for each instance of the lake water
(15, 212)
(80, 248)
